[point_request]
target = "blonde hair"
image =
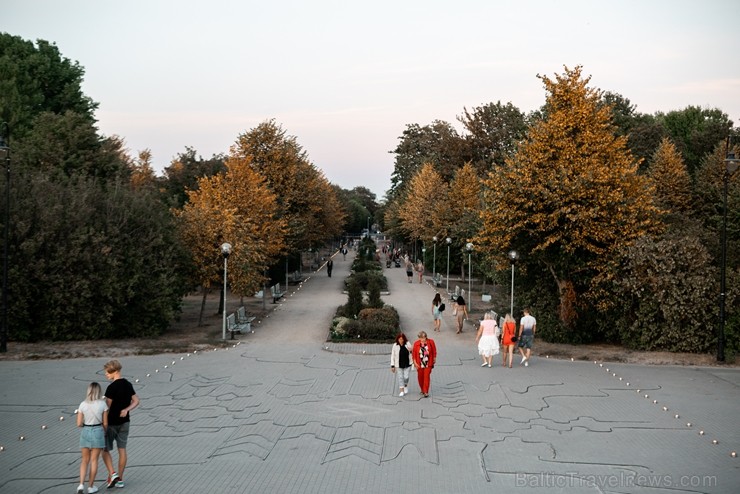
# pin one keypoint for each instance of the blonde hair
(112, 366)
(422, 334)
(93, 392)
(508, 318)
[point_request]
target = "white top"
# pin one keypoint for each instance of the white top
(92, 411)
(527, 323)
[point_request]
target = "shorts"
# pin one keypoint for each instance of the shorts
(525, 341)
(92, 437)
(117, 433)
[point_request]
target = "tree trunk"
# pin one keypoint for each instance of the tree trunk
(202, 306)
(567, 296)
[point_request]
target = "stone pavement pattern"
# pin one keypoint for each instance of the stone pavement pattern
(281, 410)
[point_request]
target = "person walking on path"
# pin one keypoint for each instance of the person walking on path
(92, 417)
(508, 339)
(401, 362)
(437, 311)
(329, 267)
(420, 270)
(409, 270)
(487, 339)
(527, 329)
(121, 399)
(461, 313)
(424, 355)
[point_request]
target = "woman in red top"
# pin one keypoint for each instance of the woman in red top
(425, 355)
(508, 332)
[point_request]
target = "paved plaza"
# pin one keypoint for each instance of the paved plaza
(283, 411)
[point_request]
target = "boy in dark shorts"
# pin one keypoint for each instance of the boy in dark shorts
(121, 399)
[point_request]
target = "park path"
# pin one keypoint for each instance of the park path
(280, 410)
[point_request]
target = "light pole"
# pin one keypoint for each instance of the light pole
(731, 164)
(5, 150)
(225, 251)
(469, 248)
(434, 261)
(513, 256)
(449, 241)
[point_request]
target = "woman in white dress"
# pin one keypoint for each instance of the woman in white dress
(487, 339)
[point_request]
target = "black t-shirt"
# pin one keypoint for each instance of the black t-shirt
(403, 357)
(119, 392)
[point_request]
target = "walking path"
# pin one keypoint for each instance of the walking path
(283, 411)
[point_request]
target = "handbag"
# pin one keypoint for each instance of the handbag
(441, 307)
(514, 339)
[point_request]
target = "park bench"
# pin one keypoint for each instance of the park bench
(453, 295)
(244, 320)
(437, 279)
(231, 325)
(276, 293)
(295, 278)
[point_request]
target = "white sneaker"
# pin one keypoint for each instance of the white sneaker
(80, 489)
(405, 390)
(92, 490)
(526, 363)
(524, 359)
(401, 393)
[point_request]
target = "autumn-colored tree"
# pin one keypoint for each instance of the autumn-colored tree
(306, 203)
(571, 195)
(142, 173)
(671, 178)
(417, 213)
(461, 211)
(235, 207)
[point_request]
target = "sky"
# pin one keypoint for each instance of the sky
(346, 77)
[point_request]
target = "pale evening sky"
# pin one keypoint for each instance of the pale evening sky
(345, 77)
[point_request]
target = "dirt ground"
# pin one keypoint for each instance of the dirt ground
(186, 335)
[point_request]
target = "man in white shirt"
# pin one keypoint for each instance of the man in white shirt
(527, 329)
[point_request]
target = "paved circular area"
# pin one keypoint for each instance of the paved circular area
(281, 410)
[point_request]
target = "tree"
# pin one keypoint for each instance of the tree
(37, 79)
(462, 209)
(417, 213)
(184, 172)
(696, 131)
(494, 130)
(673, 189)
(306, 202)
(235, 207)
(570, 196)
(438, 144)
(142, 173)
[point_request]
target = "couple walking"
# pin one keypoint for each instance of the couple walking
(422, 355)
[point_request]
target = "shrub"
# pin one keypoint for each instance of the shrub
(380, 325)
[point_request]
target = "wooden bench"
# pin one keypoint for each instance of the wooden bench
(276, 293)
(437, 279)
(244, 320)
(295, 278)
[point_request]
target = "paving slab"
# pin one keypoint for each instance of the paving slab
(282, 410)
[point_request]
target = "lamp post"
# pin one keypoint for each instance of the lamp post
(731, 164)
(5, 150)
(469, 248)
(225, 251)
(434, 261)
(513, 256)
(449, 241)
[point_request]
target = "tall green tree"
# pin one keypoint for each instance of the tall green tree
(493, 132)
(696, 131)
(570, 196)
